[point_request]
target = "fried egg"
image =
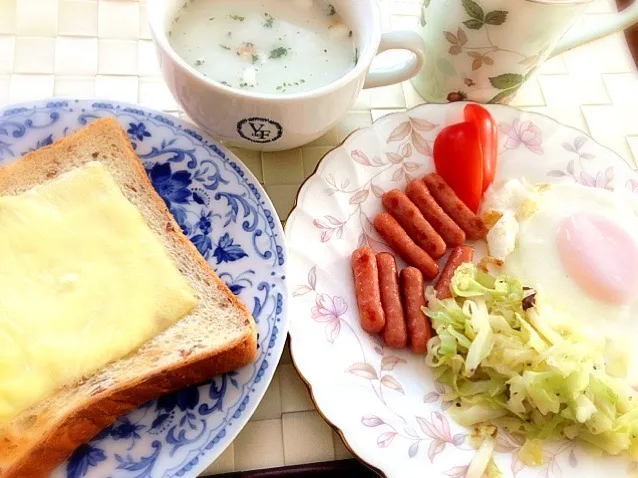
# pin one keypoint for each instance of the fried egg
(577, 247)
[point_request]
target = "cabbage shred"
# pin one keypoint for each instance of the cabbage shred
(504, 364)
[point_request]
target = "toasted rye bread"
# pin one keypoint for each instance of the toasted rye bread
(219, 335)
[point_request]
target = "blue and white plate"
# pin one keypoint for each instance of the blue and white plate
(225, 212)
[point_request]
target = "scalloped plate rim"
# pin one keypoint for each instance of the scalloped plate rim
(295, 211)
(187, 468)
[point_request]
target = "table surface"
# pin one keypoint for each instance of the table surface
(102, 49)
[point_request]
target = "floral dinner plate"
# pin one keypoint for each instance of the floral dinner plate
(384, 402)
(224, 211)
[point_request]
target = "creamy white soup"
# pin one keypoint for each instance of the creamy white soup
(265, 46)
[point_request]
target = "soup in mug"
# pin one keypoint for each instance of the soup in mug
(265, 46)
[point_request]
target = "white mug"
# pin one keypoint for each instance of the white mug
(484, 50)
(273, 122)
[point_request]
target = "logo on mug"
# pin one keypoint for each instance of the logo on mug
(259, 130)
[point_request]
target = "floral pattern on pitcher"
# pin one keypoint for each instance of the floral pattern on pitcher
(480, 52)
(485, 50)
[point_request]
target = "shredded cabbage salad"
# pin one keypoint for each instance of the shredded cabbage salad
(505, 365)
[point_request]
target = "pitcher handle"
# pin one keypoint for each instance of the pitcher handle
(398, 40)
(616, 23)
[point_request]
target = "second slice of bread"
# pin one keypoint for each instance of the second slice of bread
(219, 335)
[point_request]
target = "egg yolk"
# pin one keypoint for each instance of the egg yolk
(600, 256)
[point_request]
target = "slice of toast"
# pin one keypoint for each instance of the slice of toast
(219, 335)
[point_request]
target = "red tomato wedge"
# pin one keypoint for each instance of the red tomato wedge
(488, 139)
(459, 160)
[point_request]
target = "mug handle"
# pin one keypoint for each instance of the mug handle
(398, 40)
(616, 23)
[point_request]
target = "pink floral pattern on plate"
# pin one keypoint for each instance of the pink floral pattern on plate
(524, 133)
(386, 403)
(433, 432)
(404, 141)
(581, 170)
(329, 309)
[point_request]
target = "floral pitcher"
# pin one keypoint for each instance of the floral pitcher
(484, 50)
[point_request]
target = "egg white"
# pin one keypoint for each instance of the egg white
(534, 256)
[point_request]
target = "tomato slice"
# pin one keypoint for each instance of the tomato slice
(458, 159)
(488, 139)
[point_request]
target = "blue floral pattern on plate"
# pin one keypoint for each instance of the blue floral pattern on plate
(226, 214)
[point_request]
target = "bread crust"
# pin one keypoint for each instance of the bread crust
(42, 440)
(78, 428)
